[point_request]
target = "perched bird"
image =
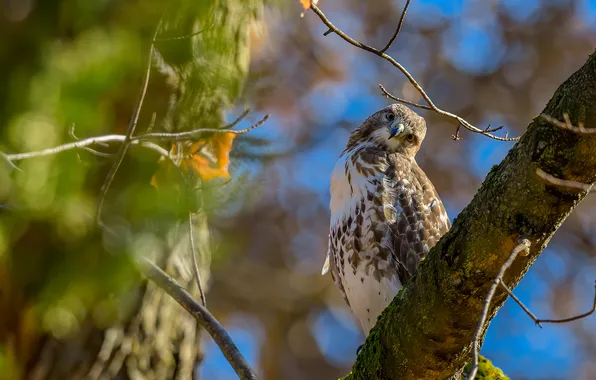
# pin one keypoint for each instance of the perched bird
(385, 213)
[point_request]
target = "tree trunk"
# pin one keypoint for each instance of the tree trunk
(427, 331)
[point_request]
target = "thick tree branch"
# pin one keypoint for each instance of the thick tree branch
(202, 315)
(427, 331)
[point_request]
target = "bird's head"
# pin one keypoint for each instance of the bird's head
(395, 129)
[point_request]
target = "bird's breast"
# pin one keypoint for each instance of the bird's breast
(352, 179)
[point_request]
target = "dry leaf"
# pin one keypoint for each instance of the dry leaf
(305, 4)
(208, 158)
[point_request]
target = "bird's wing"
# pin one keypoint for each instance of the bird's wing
(417, 218)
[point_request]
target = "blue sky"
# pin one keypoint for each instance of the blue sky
(517, 346)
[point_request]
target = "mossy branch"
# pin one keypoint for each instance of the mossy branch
(427, 331)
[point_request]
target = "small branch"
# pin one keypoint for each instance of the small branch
(189, 134)
(563, 182)
(539, 321)
(193, 253)
(565, 320)
(82, 144)
(8, 160)
(409, 76)
(523, 246)
(580, 130)
(401, 22)
(520, 304)
(161, 39)
(391, 96)
(135, 140)
(130, 130)
(456, 136)
(203, 317)
(92, 151)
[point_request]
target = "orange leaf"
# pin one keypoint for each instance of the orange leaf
(305, 3)
(212, 159)
(208, 158)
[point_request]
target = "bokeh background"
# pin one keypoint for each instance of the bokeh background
(492, 62)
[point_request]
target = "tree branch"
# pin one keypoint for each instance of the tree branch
(202, 315)
(82, 144)
(135, 140)
(411, 79)
(428, 330)
(399, 25)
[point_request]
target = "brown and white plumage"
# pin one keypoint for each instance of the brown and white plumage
(385, 213)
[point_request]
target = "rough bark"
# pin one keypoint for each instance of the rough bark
(426, 332)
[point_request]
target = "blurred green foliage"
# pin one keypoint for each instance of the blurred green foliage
(73, 69)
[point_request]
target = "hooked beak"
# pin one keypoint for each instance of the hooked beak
(396, 129)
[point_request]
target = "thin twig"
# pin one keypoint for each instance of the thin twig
(135, 140)
(539, 321)
(90, 150)
(563, 182)
(130, 130)
(409, 76)
(82, 144)
(161, 39)
(456, 136)
(580, 130)
(520, 304)
(391, 96)
(203, 317)
(401, 22)
(193, 253)
(187, 135)
(564, 320)
(8, 160)
(524, 245)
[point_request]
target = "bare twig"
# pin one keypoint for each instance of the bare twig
(161, 39)
(90, 150)
(456, 136)
(565, 320)
(539, 321)
(401, 22)
(193, 253)
(130, 130)
(8, 160)
(189, 134)
(524, 245)
(563, 182)
(135, 140)
(82, 144)
(202, 315)
(401, 100)
(580, 130)
(520, 304)
(409, 76)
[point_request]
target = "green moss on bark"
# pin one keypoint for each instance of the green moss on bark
(426, 332)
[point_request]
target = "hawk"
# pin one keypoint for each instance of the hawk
(385, 213)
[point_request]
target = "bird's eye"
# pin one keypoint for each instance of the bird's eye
(410, 138)
(389, 116)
